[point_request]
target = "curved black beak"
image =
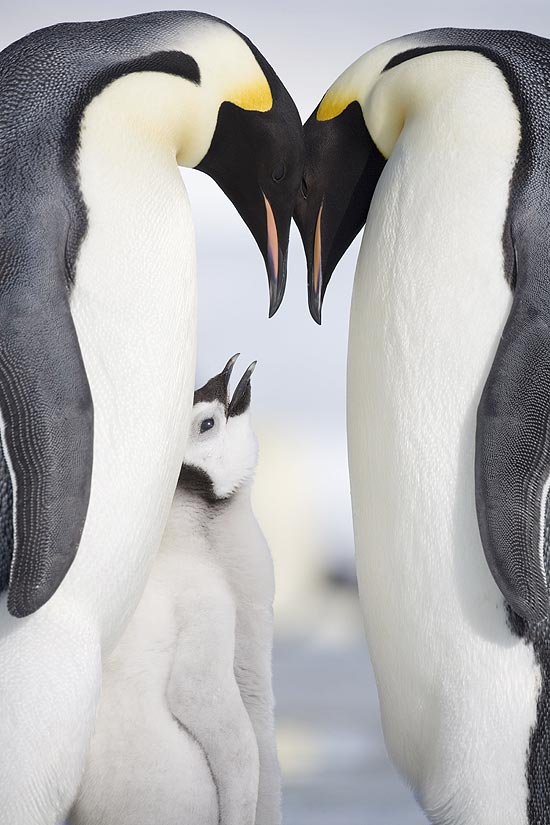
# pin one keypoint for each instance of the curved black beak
(316, 285)
(217, 388)
(342, 168)
(275, 260)
(240, 401)
(257, 160)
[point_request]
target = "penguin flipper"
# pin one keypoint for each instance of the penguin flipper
(46, 427)
(512, 466)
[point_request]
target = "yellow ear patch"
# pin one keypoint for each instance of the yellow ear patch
(333, 104)
(254, 97)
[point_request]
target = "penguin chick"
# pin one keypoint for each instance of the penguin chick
(185, 731)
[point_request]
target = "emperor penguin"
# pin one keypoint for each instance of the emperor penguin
(185, 733)
(439, 141)
(97, 339)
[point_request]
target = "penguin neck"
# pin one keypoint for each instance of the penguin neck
(193, 514)
(139, 245)
(197, 493)
(142, 117)
(137, 260)
(458, 97)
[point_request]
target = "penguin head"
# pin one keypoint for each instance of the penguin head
(222, 450)
(342, 167)
(247, 136)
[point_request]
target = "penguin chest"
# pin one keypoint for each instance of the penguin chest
(430, 300)
(134, 308)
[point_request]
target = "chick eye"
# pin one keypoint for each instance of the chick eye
(279, 172)
(207, 424)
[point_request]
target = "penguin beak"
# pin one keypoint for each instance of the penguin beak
(342, 168)
(242, 395)
(217, 388)
(247, 149)
(228, 369)
(275, 261)
(309, 218)
(316, 291)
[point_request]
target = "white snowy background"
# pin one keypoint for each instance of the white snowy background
(335, 766)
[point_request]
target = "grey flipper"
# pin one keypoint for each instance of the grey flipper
(46, 409)
(512, 462)
(513, 459)
(6, 523)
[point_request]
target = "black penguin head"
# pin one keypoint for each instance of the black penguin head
(221, 453)
(342, 167)
(256, 157)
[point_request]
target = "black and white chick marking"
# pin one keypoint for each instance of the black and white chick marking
(185, 731)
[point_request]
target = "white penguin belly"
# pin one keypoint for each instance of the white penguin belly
(134, 308)
(143, 766)
(457, 689)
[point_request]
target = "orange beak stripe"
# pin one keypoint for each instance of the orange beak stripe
(317, 253)
(272, 239)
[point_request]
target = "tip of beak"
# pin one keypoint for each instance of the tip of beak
(230, 364)
(315, 306)
(241, 396)
(316, 315)
(274, 305)
(315, 273)
(277, 284)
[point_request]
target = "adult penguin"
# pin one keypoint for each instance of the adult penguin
(97, 338)
(439, 141)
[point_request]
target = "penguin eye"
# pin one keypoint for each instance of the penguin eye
(304, 188)
(207, 424)
(279, 172)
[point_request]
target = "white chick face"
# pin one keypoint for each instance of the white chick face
(222, 449)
